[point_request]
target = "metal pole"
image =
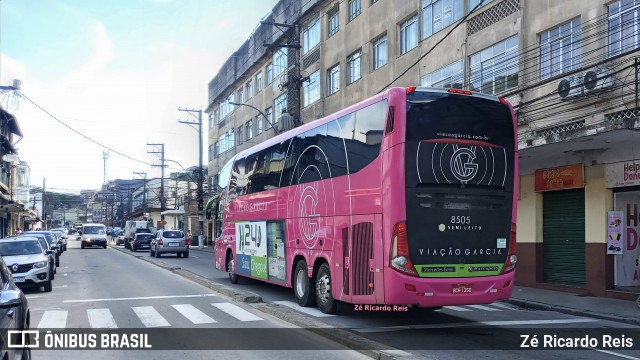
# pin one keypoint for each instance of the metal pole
(200, 180)
(637, 101)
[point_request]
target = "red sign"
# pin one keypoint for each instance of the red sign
(564, 177)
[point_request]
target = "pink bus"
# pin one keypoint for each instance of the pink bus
(405, 199)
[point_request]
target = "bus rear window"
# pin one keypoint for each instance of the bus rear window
(432, 115)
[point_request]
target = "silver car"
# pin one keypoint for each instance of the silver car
(28, 262)
(169, 242)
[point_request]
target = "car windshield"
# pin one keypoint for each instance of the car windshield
(144, 236)
(20, 248)
(173, 234)
(93, 230)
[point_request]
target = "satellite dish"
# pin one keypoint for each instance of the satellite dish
(10, 158)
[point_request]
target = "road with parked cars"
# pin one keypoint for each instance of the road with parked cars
(99, 289)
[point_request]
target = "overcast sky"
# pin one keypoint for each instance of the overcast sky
(115, 71)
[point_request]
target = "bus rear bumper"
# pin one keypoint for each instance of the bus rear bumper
(430, 292)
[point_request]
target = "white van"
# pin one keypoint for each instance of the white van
(93, 234)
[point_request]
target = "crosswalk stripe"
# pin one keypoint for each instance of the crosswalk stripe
(194, 315)
(53, 319)
(307, 310)
(150, 317)
(237, 312)
(504, 306)
(101, 319)
(482, 307)
(457, 308)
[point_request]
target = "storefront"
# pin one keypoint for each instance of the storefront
(623, 224)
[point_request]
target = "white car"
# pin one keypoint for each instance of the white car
(27, 261)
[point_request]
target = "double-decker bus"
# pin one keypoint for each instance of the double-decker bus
(406, 198)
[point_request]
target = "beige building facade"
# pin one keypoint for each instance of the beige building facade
(569, 67)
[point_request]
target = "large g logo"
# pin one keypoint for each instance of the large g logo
(308, 215)
(463, 166)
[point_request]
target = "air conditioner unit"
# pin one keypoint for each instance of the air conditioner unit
(571, 87)
(598, 79)
(285, 123)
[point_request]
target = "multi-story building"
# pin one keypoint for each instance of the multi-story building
(569, 67)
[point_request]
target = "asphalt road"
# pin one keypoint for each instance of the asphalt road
(105, 290)
(488, 331)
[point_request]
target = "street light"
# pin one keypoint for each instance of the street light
(200, 175)
(258, 110)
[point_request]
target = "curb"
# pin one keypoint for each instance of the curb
(565, 310)
(350, 340)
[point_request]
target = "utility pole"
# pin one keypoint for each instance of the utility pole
(44, 212)
(144, 192)
(200, 175)
(105, 156)
(162, 166)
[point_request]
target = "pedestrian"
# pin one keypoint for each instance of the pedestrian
(189, 237)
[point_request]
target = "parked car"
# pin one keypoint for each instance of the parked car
(63, 235)
(127, 244)
(52, 246)
(51, 238)
(45, 246)
(141, 241)
(14, 314)
(28, 264)
(169, 242)
(119, 237)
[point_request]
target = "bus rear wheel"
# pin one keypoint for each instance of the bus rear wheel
(302, 287)
(326, 303)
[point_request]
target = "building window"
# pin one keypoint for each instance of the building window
(249, 127)
(269, 73)
(269, 113)
(353, 67)
(230, 139)
(495, 69)
(240, 137)
(249, 90)
(333, 80)
(450, 76)
(225, 107)
(311, 36)
(474, 3)
(624, 34)
(311, 89)
(281, 106)
(373, 1)
(258, 82)
(333, 20)
(216, 115)
(560, 49)
(216, 149)
(354, 9)
(211, 153)
(438, 14)
(240, 98)
(379, 52)
(409, 34)
(258, 124)
(211, 117)
(222, 140)
(279, 62)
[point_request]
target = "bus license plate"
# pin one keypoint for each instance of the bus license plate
(461, 289)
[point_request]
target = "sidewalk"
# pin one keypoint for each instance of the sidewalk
(564, 302)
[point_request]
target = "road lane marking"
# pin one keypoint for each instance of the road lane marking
(237, 312)
(53, 319)
(504, 306)
(193, 314)
(101, 319)
(474, 324)
(307, 310)
(485, 308)
(139, 298)
(150, 317)
(457, 308)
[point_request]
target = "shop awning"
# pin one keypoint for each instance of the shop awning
(210, 202)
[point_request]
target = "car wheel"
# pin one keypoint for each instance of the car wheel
(178, 254)
(185, 254)
(57, 261)
(52, 274)
(324, 298)
(157, 253)
(302, 287)
(82, 246)
(104, 246)
(48, 286)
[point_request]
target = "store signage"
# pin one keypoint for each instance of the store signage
(559, 178)
(626, 173)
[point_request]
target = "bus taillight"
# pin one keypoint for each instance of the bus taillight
(512, 258)
(400, 250)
